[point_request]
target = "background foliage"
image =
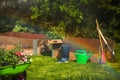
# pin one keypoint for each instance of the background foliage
(77, 16)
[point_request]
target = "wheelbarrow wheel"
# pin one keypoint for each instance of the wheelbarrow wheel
(21, 76)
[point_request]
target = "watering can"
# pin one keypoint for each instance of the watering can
(82, 57)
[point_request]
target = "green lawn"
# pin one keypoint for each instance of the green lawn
(47, 68)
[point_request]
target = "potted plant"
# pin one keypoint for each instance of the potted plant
(13, 61)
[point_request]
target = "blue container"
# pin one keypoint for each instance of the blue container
(64, 52)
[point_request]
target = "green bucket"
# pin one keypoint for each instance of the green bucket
(10, 70)
(82, 57)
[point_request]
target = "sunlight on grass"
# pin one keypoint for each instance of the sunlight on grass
(47, 68)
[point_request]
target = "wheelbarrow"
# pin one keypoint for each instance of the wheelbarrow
(14, 70)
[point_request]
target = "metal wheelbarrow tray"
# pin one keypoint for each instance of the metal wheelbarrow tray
(13, 70)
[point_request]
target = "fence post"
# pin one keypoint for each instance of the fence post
(35, 42)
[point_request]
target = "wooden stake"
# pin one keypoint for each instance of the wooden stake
(102, 55)
(112, 52)
(101, 45)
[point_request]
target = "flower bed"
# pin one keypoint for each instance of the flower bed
(13, 61)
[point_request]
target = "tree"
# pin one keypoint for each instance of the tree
(110, 17)
(67, 11)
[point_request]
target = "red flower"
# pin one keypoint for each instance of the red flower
(19, 53)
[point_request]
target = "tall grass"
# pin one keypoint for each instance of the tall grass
(47, 68)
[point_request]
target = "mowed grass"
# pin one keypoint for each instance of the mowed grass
(47, 68)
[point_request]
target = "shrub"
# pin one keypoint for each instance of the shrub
(8, 57)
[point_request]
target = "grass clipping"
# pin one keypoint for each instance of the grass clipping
(47, 68)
